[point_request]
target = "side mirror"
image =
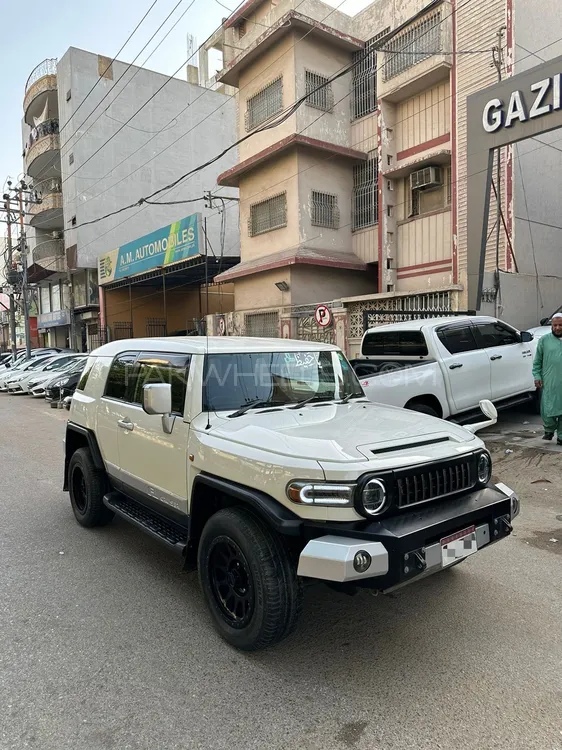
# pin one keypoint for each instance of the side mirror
(157, 398)
(544, 321)
(526, 336)
(488, 410)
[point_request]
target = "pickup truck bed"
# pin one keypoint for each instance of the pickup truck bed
(366, 368)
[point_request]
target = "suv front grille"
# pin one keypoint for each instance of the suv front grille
(422, 485)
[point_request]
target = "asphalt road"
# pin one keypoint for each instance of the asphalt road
(105, 644)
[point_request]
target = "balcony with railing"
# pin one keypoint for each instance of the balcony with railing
(418, 56)
(40, 90)
(49, 255)
(42, 150)
(45, 204)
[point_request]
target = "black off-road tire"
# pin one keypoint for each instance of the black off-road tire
(422, 408)
(267, 578)
(87, 485)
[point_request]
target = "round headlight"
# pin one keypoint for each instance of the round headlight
(484, 468)
(373, 497)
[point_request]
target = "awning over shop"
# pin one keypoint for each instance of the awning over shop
(192, 271)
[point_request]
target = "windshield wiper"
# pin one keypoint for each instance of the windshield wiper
(256, 403)
(349, 396)
(316, 397)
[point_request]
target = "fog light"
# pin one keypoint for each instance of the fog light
(362, 561)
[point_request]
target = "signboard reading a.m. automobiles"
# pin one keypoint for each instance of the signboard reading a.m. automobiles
(170, 244)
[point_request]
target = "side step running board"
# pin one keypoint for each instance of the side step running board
(160, 528)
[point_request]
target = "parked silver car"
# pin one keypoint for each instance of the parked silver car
(37, 382)
(18, 369)
(49, 368)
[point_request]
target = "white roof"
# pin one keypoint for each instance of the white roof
(417, 325)
(210, 345)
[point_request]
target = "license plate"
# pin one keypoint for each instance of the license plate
(457, 546)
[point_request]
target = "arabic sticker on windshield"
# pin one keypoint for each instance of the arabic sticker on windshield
(301, 359)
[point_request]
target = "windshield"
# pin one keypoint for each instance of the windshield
(273, 379)
(60, 364)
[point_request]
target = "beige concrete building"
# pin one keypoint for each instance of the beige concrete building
(356, 197)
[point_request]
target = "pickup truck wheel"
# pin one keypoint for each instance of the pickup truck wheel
(87, 486)
(422, 408)
(248, 579)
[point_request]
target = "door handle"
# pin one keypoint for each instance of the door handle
(126, 424)
(496, 356)
(455, 366)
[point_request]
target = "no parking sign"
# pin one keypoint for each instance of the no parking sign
(323, 316)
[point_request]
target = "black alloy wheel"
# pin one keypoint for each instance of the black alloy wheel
(79, 489)
(231, 582)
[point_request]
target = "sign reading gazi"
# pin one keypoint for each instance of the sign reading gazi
(170, 244)
(545, 97)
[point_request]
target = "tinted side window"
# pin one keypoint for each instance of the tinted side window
(155, 367)
(458, 339)
(395, 343)
(495, 334)
(120, 379)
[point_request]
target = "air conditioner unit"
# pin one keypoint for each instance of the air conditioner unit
(428, 177)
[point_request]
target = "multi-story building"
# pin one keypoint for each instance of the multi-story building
(353, 178)
(99, 135)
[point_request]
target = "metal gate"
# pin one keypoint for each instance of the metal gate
(264, 324)
(372, 318)
(97, 336)
(307, 327)
(156, 327)
(122, 330)
(397, 309)
(309, 330)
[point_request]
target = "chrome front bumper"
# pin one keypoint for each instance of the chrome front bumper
(397, 556)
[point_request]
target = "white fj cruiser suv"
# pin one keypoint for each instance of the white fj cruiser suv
(264, 464)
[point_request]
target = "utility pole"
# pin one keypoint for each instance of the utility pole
(23, 253)
(10, 268)
(72, 342)
(497, 62)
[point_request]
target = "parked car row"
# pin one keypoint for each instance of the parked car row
(49, 374)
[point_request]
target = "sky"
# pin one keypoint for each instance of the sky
(46, 29)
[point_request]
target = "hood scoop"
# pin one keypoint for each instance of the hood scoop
(405, 446)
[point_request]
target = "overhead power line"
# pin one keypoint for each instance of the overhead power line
(68, 144)
(131, 35)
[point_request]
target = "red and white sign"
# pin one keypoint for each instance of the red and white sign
(323, 316)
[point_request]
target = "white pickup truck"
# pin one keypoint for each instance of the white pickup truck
(446, 366)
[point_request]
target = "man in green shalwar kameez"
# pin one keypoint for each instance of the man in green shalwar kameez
(547, 372)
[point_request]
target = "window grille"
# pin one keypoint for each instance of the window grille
(414, 44)
(364, 78)
(262, 324)
(325, 212)
(263, 105)
(365, 194)
(319, 98)
(241, 28)
(268, 215)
